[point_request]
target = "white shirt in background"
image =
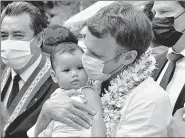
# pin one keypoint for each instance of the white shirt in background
(178, 80)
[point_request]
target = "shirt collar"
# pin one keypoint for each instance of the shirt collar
(27, 73)
(171, 50)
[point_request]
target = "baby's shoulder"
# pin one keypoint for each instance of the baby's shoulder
(90, 93)
(87, 90)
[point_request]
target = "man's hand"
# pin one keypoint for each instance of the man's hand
(61, 108)
(178, 117)
(179, 122)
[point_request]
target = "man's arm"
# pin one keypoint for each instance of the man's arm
(61, 108)
(98, 128)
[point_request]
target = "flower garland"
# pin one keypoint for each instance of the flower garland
(120, 88)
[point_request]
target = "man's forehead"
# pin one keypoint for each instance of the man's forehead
(99, 43)
(158, 5)
(16, 23)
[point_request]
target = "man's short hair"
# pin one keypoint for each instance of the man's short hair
(18, 8)
(67, 47)
(129, 26)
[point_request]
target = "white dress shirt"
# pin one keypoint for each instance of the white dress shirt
(178, 79)
(146, 112)
(24, 77)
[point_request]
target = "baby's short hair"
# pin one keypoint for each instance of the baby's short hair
(67, 47)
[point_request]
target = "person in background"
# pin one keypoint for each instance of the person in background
(157, 49)
(56, 34)
(26, 82)
(168, 27)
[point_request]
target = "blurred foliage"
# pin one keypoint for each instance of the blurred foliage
(56, 12)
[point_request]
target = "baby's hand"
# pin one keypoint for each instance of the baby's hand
(93, 99)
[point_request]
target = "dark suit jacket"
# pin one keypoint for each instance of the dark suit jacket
(161, 61)
(26, 119)
(19, 127)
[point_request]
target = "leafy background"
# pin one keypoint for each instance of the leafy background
(56, 12)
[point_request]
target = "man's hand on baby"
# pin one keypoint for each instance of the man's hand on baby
(178, 117)
(61, 108)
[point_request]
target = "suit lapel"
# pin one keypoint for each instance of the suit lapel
(43, 84)
(161, 61)
(28, 118)
(4, 77)
(180, 100)
(40, 93)
(30, 89)
(5, 82)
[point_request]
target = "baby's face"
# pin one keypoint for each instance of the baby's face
(69, 71)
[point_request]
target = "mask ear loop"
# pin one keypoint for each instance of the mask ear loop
(32, 39)
(115, 72)
(180, 15)
(116, 57)
(36, 50)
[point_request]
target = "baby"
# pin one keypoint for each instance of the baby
(68, 72)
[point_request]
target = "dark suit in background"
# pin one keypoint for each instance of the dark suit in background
(25, 115)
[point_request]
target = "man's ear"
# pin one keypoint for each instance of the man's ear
(129, 57)
(53, 76)
(40, 38)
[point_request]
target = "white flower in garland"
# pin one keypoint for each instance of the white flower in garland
(120, 88)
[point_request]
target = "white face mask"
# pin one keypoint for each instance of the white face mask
(15, 53)
(82, 45)
(94, 68)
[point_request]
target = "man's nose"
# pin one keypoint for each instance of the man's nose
(10, 37)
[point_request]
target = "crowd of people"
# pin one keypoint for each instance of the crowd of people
(106, 84)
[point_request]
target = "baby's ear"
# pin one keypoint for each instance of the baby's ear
(53, 76)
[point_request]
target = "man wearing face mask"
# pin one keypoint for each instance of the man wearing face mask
(26, 82)
(168, 27)
(117, 40)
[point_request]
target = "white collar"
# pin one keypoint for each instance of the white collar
(170, 50)
(27, 73)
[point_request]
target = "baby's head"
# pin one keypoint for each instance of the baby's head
(67, 69)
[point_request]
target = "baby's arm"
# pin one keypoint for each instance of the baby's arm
(98, 126)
